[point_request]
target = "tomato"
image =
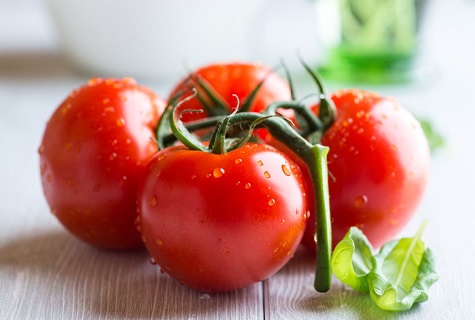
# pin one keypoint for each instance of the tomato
(95, 146)
(379, 164)
(218, 222)
(229, 79)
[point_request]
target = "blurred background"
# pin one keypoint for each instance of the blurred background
(158, 41)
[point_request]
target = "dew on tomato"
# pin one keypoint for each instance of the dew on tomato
(218, 172)
(286, 170)
(361, 201)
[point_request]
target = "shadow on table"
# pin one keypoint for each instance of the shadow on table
(57, 273)
(340, 300)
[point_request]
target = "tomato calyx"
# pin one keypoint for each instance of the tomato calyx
(211, 101)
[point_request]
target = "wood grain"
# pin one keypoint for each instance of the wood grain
(53, 276)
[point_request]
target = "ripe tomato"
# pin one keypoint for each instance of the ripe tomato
(229, 79)
(379, 161)
(95, 146)
(219, 222)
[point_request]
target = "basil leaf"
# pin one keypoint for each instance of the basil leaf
(435, 139)
(351, 260)
(396, 278)
(402, 273)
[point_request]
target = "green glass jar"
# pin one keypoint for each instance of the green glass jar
(369, 40)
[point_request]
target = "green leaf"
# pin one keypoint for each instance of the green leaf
(351, 260)
(436, 140)
(396, 278)
(402, 273)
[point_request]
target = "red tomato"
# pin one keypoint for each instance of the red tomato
(95, 146)
(222, 222)
(379, 163)
(229, 79)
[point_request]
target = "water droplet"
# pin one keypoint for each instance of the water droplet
(282, 221)
(218, 172)
(114, 142)
(267, 174)
(260, 163)
(238, 183)
(205, 296)
(361, 201)
(144, 239)
(286, 170)
(162, 156)
(271, 202)
(248, 185)
(193, 177)
(93, 81)
(113, 156)
(153, 201)
(65, 108)
(128, 141)
(297, 211)
(208, 175)
(159, 242)
(238, 161)
(153, 261)
(120, 122)
(218, 241)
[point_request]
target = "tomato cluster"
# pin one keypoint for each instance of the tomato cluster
(216, 211)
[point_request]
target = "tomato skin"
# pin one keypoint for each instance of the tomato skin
(239, 78)
(379, 161)
(95, 146)
(222, 222)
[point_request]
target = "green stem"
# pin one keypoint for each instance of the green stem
(315, 157)
(319, 174)
(327, 112)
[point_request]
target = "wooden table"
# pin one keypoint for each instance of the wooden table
(45, 273)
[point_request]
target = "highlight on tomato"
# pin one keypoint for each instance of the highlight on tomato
(94, 147)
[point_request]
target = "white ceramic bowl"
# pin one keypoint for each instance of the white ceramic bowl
(153, 38)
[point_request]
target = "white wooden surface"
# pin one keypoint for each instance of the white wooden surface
(47, 274)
